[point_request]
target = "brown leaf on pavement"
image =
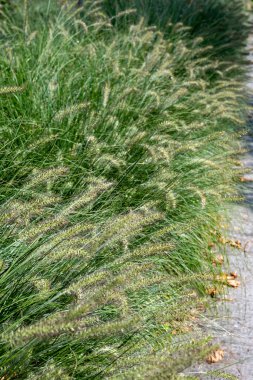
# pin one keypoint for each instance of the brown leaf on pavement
(233, 243)
(233, 283)
(212, 292)
(216, 356)
(246, 179)
(228, 279)
(234, 274)
(219, 259)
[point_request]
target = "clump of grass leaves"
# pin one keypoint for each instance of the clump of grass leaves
(118, 154)
(216, 21)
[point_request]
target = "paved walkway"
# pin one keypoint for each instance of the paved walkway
(232, 328)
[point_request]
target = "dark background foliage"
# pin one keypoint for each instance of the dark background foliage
(215, 20)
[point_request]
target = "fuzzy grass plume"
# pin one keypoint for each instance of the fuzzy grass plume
(118, 158)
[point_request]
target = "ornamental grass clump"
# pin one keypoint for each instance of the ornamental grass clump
(216, 22)
(118, 159)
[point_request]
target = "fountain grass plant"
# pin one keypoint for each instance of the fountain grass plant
(216, 21)
(118, 157)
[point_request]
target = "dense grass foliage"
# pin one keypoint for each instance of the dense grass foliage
(118, 154)
(217, 21)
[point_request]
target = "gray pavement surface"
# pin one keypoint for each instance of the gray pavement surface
(232, 324)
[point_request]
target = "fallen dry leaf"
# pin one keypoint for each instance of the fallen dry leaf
(219, 259)
(246, 179)
(216, 356)
(233, 283)
(229, 279)
(212, 292)
(222, 277)
(235, 244)
(222, 240)
(234, 274)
